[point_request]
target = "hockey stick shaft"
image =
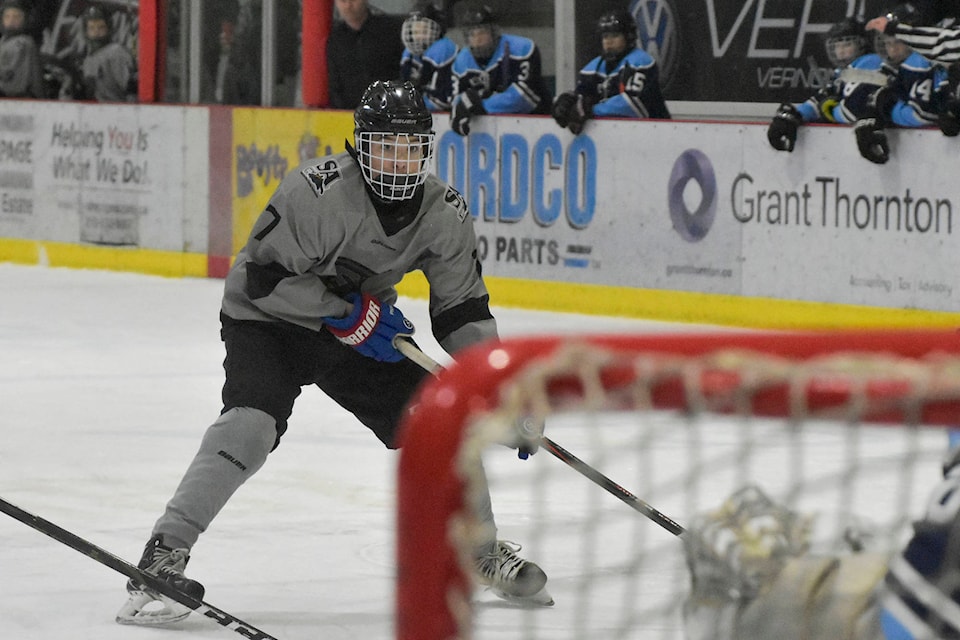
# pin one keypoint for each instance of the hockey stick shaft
(411, 351)
(120, 565)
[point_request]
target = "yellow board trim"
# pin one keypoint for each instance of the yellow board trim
(646, 304)
(62, 254)
(693, 307)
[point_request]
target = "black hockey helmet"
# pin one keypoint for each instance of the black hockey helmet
(427, 9)
(424, 25)
(480, 16)
(477, 15)
(390, 106)
(845, 41)
(393, 169)
(619, 21)
(92, 13)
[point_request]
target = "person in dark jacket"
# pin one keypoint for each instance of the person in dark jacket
(364, 45)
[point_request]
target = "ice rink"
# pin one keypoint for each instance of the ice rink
(107, 382)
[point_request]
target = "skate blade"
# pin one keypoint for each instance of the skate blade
(541, 598)
(146, 609)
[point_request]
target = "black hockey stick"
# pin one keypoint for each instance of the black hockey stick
(119, 565)
(412, 352)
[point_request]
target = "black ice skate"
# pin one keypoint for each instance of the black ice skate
(511, 577)
(147, 607)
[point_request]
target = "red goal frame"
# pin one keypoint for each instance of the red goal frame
(433, 593)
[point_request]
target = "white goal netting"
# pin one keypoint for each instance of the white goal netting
(689, 487)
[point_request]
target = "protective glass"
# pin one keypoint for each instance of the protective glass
(394, 164)
(418, 33)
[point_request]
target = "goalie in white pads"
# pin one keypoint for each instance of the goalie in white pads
(753, 576)
(310, 300)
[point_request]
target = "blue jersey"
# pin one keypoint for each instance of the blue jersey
(432, 73)
(631, 88)
(848, 92)
(920, 598)
(916, 82)
(511, 81)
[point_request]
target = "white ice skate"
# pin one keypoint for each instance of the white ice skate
(147, 607)
(512, 578)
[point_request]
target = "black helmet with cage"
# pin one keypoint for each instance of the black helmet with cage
(845, 42)
(480, 17)
(394, 138)
(424, 25)
(619, 21)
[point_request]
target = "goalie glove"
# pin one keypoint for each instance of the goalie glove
(469, 103)
(782, 132)
(371, 328)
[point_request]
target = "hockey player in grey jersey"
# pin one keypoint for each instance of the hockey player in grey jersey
(108, 70)
(309, 300)
(20, 73)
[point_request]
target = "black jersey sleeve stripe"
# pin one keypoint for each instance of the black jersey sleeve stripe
(263, 279)
(472, 310)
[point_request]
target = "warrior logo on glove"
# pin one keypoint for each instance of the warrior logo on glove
(371, 327)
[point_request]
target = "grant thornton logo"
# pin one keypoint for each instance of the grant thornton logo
(658, 31)
(694, 165)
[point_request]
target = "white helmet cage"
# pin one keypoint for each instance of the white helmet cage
(419, 33)
(394, 164)
(394, 139)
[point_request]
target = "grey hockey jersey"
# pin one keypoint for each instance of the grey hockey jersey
(320, 237)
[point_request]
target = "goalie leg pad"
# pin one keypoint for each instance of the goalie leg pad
(818, 597)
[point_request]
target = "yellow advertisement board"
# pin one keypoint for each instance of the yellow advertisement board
(269, 143)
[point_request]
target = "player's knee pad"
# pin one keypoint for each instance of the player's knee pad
(243, 437)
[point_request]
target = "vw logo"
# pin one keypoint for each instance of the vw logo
(658, 33)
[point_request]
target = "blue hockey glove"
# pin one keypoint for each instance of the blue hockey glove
(371, 328)
(469, 103)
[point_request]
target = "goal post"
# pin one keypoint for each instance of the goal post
(846, 425)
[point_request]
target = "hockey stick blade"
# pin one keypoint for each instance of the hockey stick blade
(411, 351)
(120, 565)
